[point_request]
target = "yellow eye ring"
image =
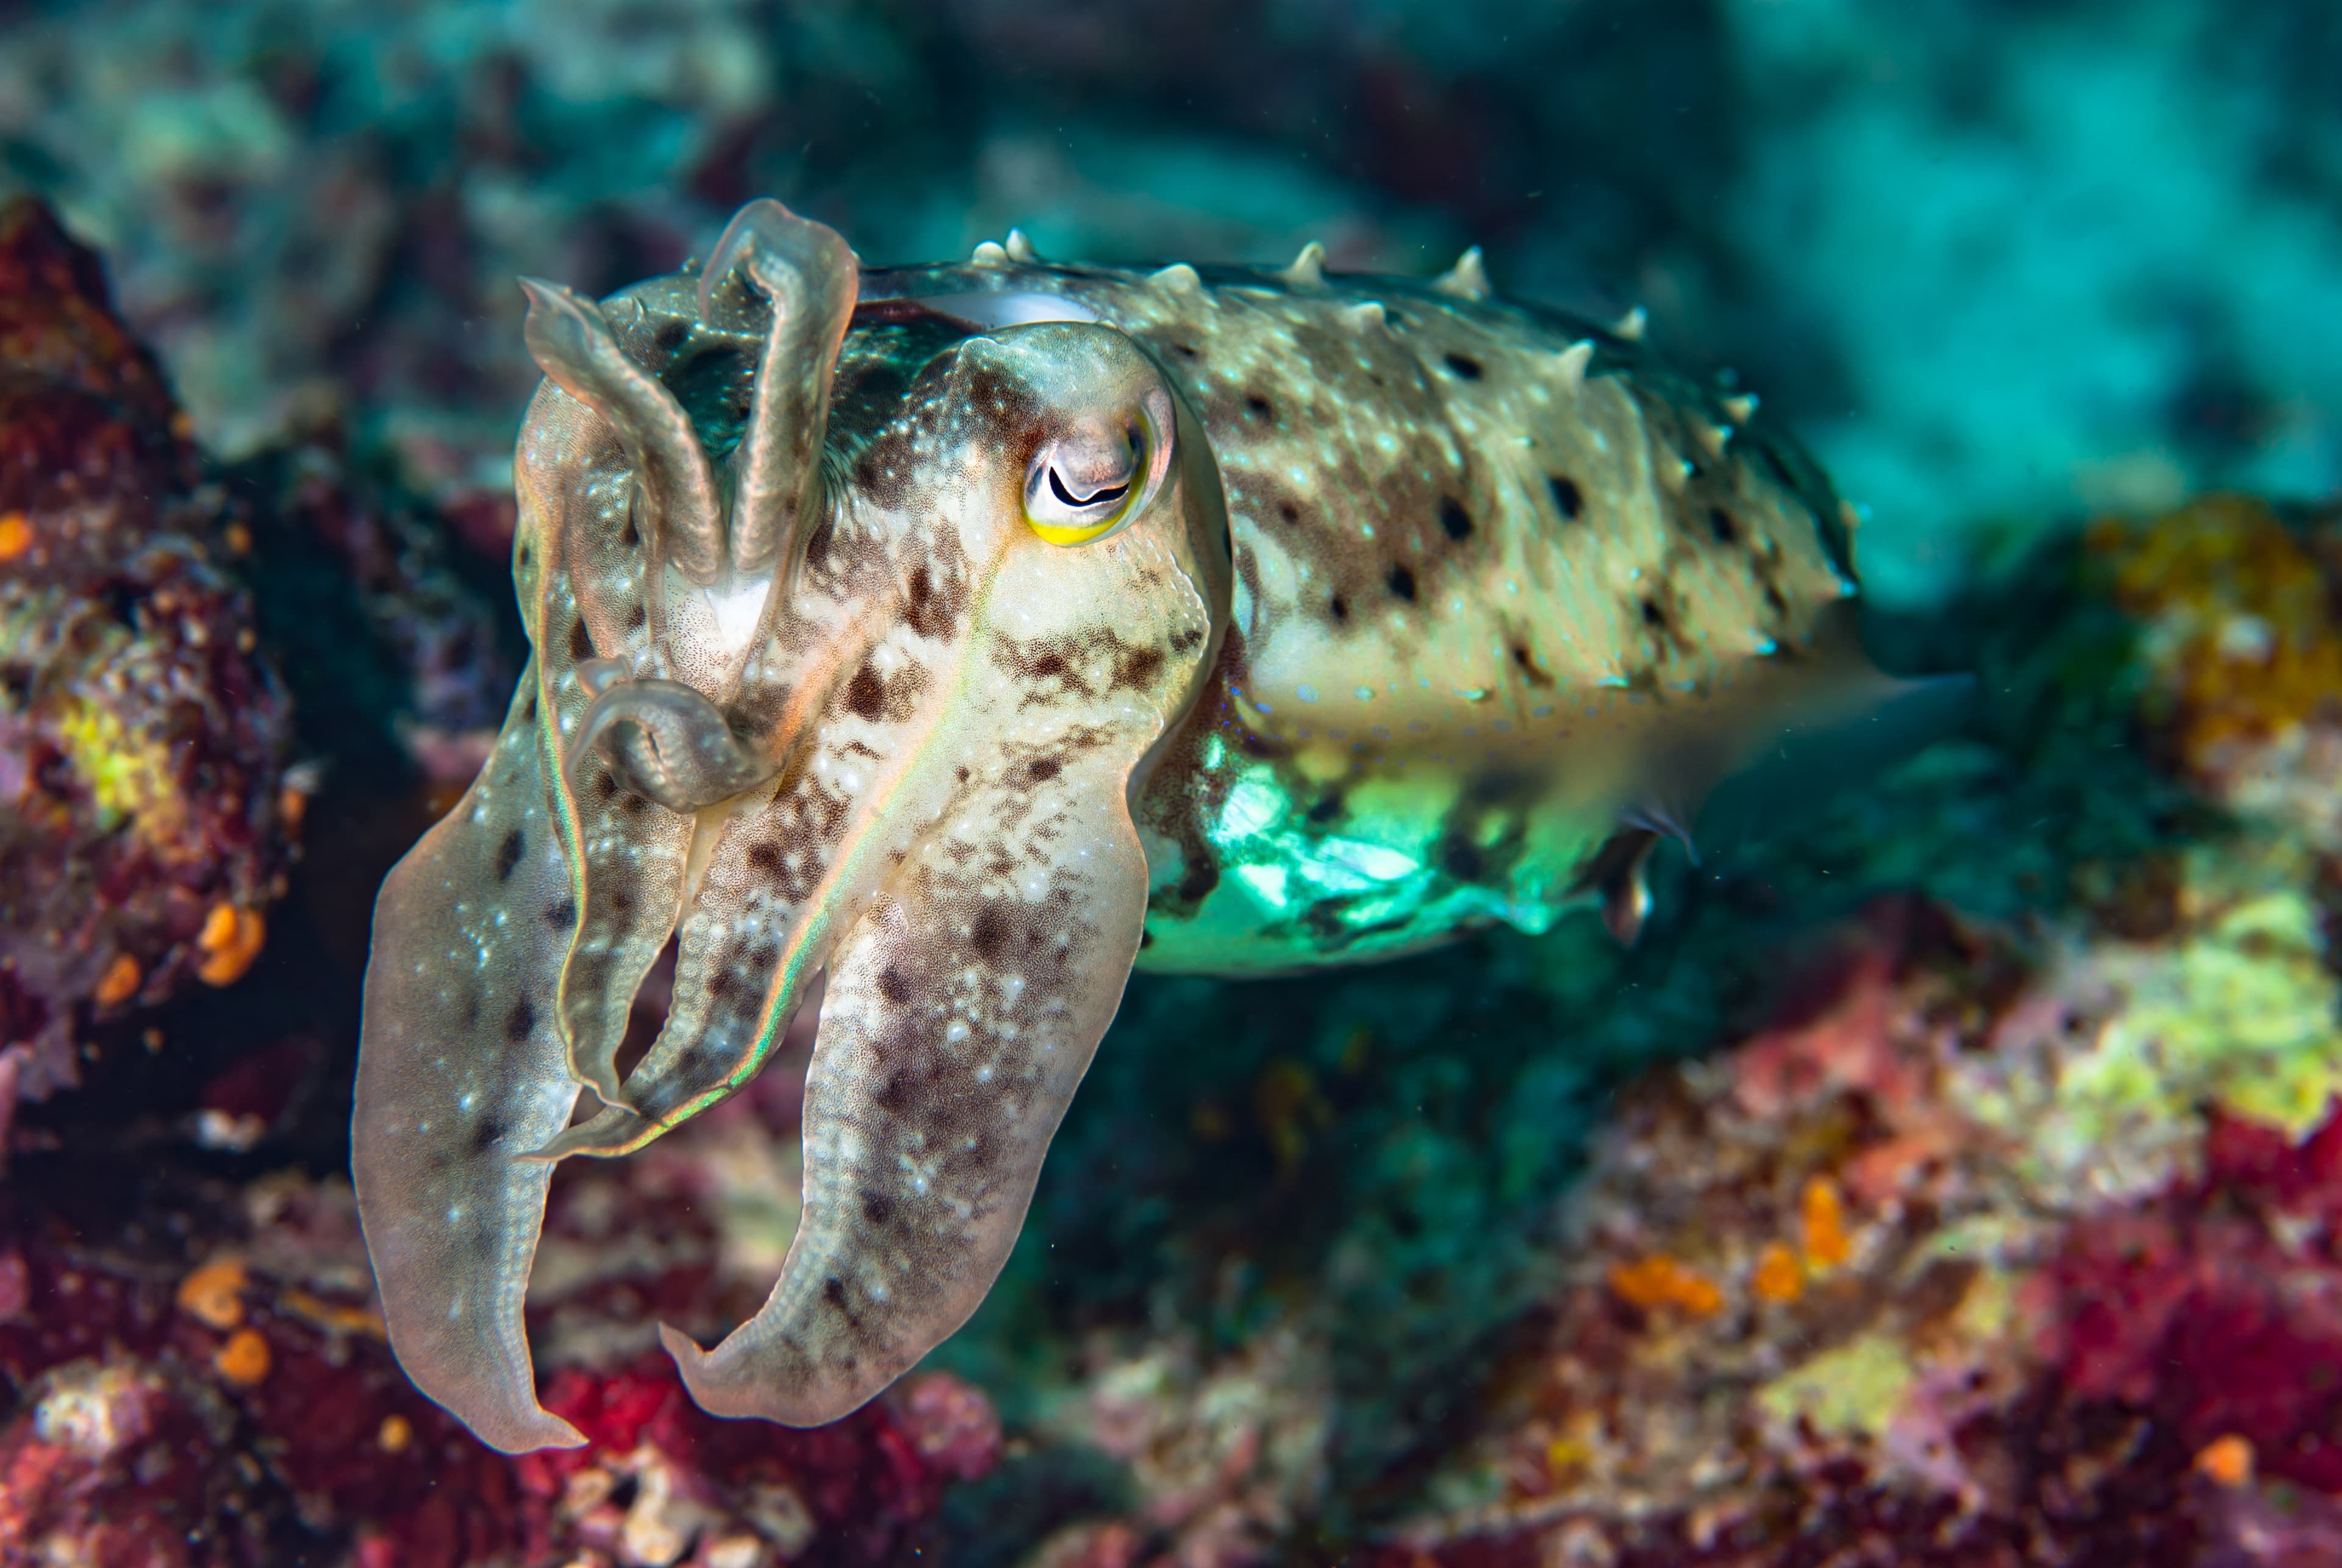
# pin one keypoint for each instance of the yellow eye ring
(1057, 513)
(1122, 474)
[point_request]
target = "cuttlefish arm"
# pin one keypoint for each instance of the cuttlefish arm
(962, 1008)
(692, 560)
(987, 912)
(956, 1027)
(786, 870)
(462, 1067)
(785, 860)
(958, 694)
(510, 941)
(613, 487)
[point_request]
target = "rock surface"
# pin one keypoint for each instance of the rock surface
(144, 816)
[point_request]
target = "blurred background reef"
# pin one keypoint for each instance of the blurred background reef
(1950, 1177)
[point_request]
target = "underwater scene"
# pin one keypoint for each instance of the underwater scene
(1014, 783)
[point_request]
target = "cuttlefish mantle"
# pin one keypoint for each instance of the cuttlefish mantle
(970, 634)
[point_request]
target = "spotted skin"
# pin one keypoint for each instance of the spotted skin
(961, 1011)
(1493, 589)
(971, 635)
(465, 1067)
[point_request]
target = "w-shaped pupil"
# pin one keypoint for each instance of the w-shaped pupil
(1111, 493)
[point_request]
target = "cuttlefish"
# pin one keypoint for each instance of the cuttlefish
(949, 641)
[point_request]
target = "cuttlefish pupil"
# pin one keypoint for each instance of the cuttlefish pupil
(1083, 503)
(1005, 621)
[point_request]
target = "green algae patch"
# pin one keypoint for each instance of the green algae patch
(129, 775)
(1853, 1391)
(1987, 1313)
(2243, 1015)
(2236, 1009)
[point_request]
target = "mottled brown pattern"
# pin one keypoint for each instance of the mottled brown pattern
(1571, 567)
(1397, 612)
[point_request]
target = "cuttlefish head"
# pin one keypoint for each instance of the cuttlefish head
(864, 696)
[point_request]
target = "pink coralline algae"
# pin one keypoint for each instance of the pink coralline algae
(143, 817)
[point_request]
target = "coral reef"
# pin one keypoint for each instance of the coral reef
(2003, 1242)
(141, 740)
(209, 1385)
(1952, 1175)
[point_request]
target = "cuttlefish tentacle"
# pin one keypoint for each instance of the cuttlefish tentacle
(783, 869)
(667, 739)
(656, 739)
(961, 1014)
(608, 470)
(769, 892)
(633, 860)
(463, 1066)
(737, 981)
(627, 861)
(674, 492)
(663, 740)
(809, 279)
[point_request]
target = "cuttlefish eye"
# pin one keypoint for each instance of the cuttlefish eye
(1090, 480)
